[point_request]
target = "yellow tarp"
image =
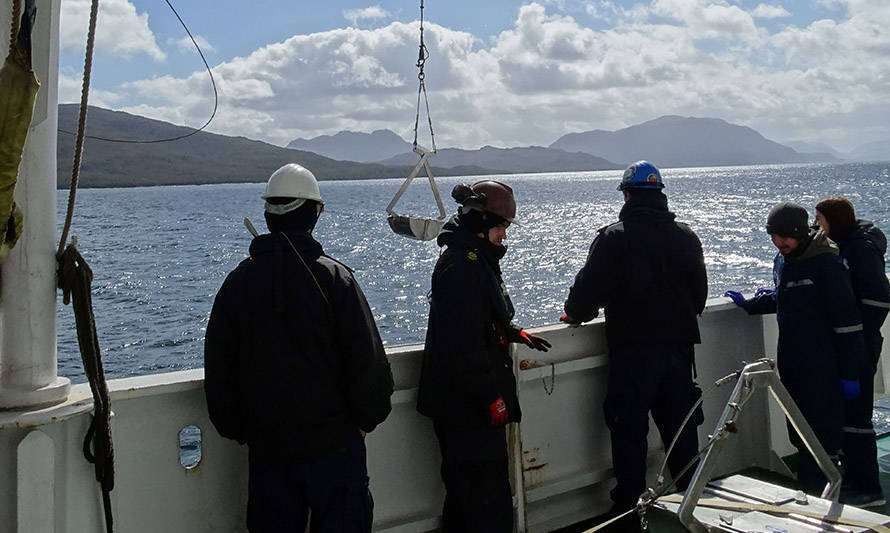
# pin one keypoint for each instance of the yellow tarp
(18, 91)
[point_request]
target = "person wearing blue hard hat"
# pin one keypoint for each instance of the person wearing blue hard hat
(648, 272)
(642, 175)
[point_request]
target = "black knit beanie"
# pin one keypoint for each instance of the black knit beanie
(788, 220)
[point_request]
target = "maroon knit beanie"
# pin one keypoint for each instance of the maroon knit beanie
(839, 213)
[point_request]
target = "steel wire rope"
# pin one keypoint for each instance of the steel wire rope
(179, 137)
(651, 495)
(422, 55)
(660, 489)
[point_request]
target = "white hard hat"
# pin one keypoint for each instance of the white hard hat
(291, 181)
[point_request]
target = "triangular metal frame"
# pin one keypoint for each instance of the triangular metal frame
(414, 227)
(756, 375)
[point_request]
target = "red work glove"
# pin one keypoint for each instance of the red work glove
(533, 341)
(569, 320)
(498, 412)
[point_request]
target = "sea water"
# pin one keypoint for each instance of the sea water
(159, 254)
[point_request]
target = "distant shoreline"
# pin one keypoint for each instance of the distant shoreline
(133, 185)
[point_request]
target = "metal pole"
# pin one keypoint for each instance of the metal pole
(28, 373)
(514, 437)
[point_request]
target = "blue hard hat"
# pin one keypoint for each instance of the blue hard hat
(641, 175)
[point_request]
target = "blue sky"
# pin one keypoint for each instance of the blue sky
(501, 72)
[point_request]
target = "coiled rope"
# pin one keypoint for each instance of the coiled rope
(75, 279)
(14, 27)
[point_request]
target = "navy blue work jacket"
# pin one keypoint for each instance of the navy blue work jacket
(820, 332)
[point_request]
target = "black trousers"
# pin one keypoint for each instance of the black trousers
(476, 477)
(282, 489)
(642, 379)
(860, 451)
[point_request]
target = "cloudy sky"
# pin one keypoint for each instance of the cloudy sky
(500, 72)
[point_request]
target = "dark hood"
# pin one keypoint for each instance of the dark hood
(816, 243)
(647, 204)
(453, 234)
(866, 230)
(270, 243)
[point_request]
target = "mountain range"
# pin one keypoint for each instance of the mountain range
(198, 159)
(512, 160)
(669, 141)
(673, 141)
(354, 146)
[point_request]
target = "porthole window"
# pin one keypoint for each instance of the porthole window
(190, 446)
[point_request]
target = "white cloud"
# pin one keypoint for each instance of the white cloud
(603, 9)
(764, 11)
(120, 29)
(549, 74)
(368, 13)
(70, 86)
(186, 45)
(708, 19)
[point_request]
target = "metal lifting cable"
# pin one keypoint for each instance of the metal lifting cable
(420, 228)
(422, 55)
(661, 488)
(169, 139)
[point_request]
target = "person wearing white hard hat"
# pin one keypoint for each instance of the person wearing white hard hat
(291, 330)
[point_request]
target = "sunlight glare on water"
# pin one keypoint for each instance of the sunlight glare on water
(159, 254)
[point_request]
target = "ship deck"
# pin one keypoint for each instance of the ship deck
(664, 521)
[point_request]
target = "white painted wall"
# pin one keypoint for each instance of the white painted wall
(566, 456)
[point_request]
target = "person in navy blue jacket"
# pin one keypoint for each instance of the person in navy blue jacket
(821, 350)
(862, 246)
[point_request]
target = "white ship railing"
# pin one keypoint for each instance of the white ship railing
(565, 465)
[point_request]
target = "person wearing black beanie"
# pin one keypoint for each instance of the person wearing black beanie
(788, 220)
(821, 352)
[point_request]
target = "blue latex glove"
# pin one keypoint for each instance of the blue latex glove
(764, 291)
(851, 389)
(736, 297)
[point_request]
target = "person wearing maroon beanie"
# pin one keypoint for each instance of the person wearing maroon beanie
(862, 246)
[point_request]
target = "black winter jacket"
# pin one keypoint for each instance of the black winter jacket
(466, 360)
(820, 332)
(285, 366)
(863, 249)
(648, 272)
